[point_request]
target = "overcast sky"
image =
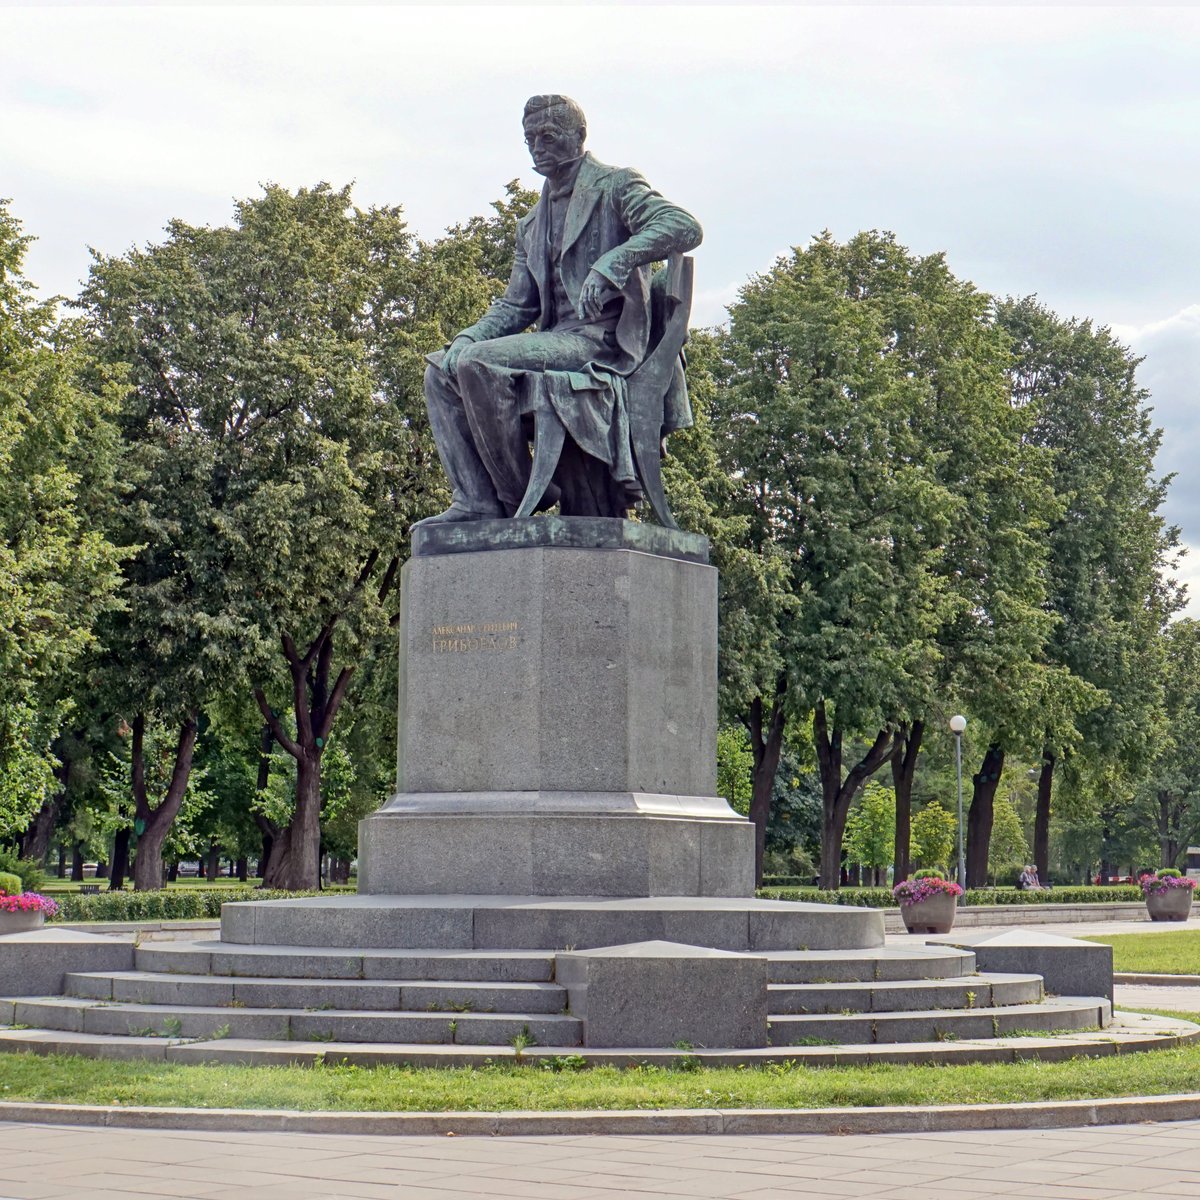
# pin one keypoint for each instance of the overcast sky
(1047, 150)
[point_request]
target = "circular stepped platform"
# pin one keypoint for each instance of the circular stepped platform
(250, 1003)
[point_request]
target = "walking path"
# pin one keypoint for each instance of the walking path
(1099, 1163)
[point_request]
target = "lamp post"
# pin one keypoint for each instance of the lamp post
(957, 724)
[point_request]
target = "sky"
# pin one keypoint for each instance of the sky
(1047, 150)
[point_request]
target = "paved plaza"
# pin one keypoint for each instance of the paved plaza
(1098, 1163)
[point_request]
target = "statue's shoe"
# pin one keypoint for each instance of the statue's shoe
(457, 512)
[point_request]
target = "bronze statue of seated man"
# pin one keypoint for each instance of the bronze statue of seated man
(581, 274)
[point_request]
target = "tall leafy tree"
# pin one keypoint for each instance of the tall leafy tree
(277, 419)
(874, 454)
(58, 572)
(1109, 549)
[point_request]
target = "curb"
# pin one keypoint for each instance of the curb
(1157, 980)
(678, 1122)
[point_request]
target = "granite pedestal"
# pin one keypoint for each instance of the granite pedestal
(557, 731)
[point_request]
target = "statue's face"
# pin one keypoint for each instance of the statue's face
(551, 145)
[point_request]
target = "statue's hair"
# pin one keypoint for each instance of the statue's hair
(568, 113)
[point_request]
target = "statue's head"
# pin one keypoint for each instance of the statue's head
(555, 128)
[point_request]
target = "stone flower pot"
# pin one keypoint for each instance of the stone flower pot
(21, 922)
(935, 914)
(1172, 905)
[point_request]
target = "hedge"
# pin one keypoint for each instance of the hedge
(196, 904)
(882, 897)
(171, 904)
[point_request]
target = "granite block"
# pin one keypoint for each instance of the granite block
(358, 922)
(154, 989)
(558, 669)
(1069, 966)
(37, 963)
(311, 994)
(547, 853)
(372, 1027)
(659, 993)
(575, 533)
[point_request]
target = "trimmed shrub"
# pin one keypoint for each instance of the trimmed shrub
(882, 897)
(10, 885)
(26, 870)
(170, 904)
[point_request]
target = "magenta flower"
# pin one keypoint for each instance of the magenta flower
(1160, 885)
(28, 902)
(913, 891)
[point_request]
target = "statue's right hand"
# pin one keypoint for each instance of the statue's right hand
(452, 355)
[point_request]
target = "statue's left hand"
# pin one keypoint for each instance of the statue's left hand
(592, 296)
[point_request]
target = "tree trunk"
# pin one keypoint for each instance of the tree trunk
(315, 705)
(979, 819)
(173, 872)
(906, 746)
(101, 869)
(212, 866)
(62, 862)
(76, 865)
(1170, 821)
(302, 871)
(35, 845)
(275, 872)
(243, 870)
(766, 745)
(1041, 820)
(837, 794)
(120, 860)
(148, 864)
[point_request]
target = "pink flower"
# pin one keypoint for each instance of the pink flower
(913, 891)
(1160, 885)
(28, 902)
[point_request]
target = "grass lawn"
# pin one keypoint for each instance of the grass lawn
(66, 1079)
(1175, 953)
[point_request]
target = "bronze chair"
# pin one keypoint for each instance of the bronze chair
(647, 391)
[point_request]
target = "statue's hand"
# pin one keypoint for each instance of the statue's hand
(453, 353)
(592, 296)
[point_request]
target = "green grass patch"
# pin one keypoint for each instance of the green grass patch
(562, 1085)
(1174, 953)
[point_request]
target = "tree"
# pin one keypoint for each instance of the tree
(58, 572)
(277, 407)
(866, 432)
(1167, 802)
(1109, 550)
(871, 829)
(1008, 850)
(933, 836)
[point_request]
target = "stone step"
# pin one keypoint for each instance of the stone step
(167, 988)
(1129, 1032)
(75, 1014)
(286, 962)
(538, 923)
(968, 992)
(1062, 1012)
(864, 966)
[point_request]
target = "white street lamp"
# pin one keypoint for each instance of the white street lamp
(957, 724)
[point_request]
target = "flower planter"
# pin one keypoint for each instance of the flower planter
(21, 921)
(1172, 905)
(935, 914)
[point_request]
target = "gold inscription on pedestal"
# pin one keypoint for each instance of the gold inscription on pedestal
(487, 637)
